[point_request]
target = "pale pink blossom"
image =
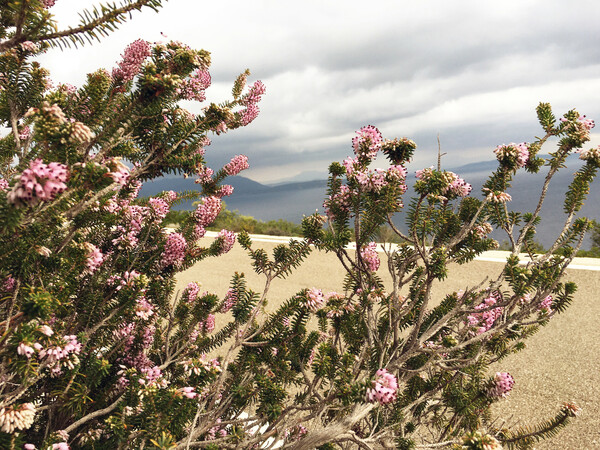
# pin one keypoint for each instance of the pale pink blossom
(227, 239)
(207, 211)
(133, 58)
(208, 324)
(236, 165)
(518, 154)
(94, 257)
(501, 385)
(368, 142)
(191, 292)
(16, 417)
(229, 301)
(384, 388)
(314, 299)
(40, 182)
(369, 255)
(174, 252)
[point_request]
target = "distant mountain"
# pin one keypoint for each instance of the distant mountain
(309, 175)
(291, 201)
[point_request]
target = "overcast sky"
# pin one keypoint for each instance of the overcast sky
(472, 71)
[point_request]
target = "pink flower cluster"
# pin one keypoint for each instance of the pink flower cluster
(314, 299)
(208, 324)
(454, 187)
(250, 100)
(119, 172)
(40, 182)
(502, 385)
(94, 257)
(340, 200)
(174, 252)
(236, 165)
(369, 255)
(485, 320)
(16, 417)
(517, 154)
(160, 207)
(481, 231)
(194, 87)
(227, 239)
(205, 174)
(133, 57)
(188, 392)
(230, 300)
(3, 184)
(497, 197)
(191, 292)
(592, 154)
(62, 356)
(143, 308)
(383, 389)
(48, 3)
(368, 142)
(224, 191)
(546, 305)
(208, 210)
(250, 113)
(9, 284)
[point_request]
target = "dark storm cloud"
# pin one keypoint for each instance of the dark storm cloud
(471, 71)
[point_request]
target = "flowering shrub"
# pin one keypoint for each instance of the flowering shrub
(98, 351)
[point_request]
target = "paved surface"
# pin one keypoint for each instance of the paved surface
(561, 362)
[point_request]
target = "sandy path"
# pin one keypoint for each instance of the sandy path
(561, 363)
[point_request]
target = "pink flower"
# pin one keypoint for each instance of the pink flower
(193, 88)
(45, 329)
(3, 184)
(592, 154)
(485, 320)
(94, 257)
(497, 197)
(546, 305)
(133, 57)
(143, 309)
(205, 174)
(40, 182)
(160, 207)
(29, 46)
(517, 154)
(29, 447)
(9, 284)
(501, 385)
(229, 301)
(314, 299)
(208, 325)
(208, 210)
(174, 252)
(368, 142)
(25, 350)
(191, 291)
(255, 94)
(227, 239)
(188, 392)
(369, 255)
(383, 388)
(225, 191)
(236, 165)
(48, 4)
(249, 114)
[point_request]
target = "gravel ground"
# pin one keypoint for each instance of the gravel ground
(560, 364)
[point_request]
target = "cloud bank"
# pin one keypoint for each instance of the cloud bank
(472, 72)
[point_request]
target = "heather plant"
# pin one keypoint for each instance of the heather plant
(98, 350)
